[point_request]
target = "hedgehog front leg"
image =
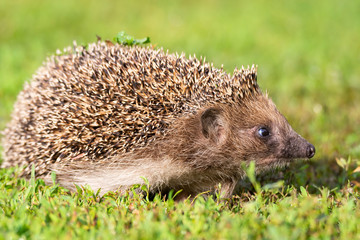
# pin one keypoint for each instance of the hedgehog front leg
(226, 189)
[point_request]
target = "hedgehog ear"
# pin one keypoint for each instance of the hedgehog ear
(213, 125)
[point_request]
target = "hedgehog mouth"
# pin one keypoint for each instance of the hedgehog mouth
(278, 162)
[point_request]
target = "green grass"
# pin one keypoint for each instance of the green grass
(308, 56)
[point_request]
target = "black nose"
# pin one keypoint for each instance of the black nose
(310, 151)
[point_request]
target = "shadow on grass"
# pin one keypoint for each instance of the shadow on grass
(312, 175)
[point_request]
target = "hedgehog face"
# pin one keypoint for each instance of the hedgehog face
(265, 134)
(255, 130)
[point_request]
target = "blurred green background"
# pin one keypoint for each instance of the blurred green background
(308, 52)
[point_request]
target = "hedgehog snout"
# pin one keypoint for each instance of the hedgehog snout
(297, 147)
(310, 150)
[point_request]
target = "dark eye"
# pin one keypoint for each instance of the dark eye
(263, 132)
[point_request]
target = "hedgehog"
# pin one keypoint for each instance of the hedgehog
(111, 116)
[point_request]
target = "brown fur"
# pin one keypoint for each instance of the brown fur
(110, 115)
